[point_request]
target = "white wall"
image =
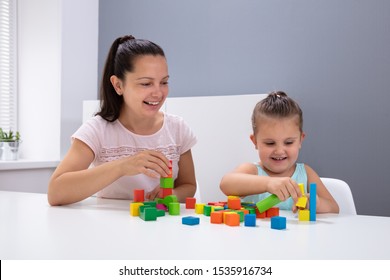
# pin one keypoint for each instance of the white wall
(39, 49)
(58, 43)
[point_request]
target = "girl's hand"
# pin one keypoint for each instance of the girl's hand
(151, 163)
(283, 188)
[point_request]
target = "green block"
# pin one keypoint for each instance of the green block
(174, 208)
(150, 203)
(207, 210)
(166, 183)
(169, 199)
(267, 203)
(148, 213)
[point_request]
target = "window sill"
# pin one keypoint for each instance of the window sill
(27, 164)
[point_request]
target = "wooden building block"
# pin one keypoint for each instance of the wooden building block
(232, 219)
(134, 208)
(216, 217)
(250, 220)
(190, 202)
(189, 220)
(278, 222)
(138, 195)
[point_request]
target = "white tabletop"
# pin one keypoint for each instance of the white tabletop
(103, 229)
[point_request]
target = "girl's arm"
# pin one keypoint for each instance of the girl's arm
(73, 180)
(244, 181)
(185, 183)
(325, 201)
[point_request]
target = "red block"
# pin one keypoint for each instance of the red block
(190, 202)
(272, 212)
(166, 192)
(234, 203)
(139, 195)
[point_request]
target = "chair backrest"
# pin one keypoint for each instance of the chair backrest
(342, 194)
(222, 125)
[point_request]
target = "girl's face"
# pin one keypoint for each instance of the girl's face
(145, 89)
(278, 141)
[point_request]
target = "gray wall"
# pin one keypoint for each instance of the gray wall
(332, 56)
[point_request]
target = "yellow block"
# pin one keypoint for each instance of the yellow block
(304, 215)
(199, 208)
(134, 208)
(301, 203)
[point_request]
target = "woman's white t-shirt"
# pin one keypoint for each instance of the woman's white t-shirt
(111, 141)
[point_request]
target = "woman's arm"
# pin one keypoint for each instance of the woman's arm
(74, 181)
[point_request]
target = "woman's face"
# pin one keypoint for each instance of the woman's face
(145, 89)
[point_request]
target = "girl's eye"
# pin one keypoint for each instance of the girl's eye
(269, 143)
(289, 143)
(145, 84)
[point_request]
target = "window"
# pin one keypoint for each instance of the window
(8, 90)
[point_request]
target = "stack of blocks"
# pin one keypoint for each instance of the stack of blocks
(149, 211)
(303, 213)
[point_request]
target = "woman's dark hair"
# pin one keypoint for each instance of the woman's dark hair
(121, 58)
(277, 104)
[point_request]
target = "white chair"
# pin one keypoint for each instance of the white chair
(342, 194)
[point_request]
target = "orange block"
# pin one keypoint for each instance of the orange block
(190, 202)
(216, 217)
(234, 203)
(232, 219)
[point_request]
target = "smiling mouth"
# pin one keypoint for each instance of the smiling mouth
(279, 158)
(152, 103)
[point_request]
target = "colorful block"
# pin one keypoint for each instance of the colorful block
(216, 217)
(278, 222)
(166, 192)
(166, 182)
(302, 201)
(134, 208)
(304, 215)
(190, 220)
(168, 199)
(234, 202)
(190, 202)
(174, 208)
(267, 203)
(272, 212)
(232, 219)
(147, 213)
(207, 210)
(199, 208)
(139, 195)
(250, 220)
(313, 202)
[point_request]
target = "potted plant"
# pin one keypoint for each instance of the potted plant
(9, 145)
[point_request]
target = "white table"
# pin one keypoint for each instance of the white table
(103, 229)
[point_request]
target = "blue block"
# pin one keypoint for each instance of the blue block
(278, 222)
(250, 220)
(190, 220)
(313, 202)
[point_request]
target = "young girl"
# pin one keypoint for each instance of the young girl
(130, 142)
(278, 136)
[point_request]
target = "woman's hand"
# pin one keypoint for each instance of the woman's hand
(151, 163)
